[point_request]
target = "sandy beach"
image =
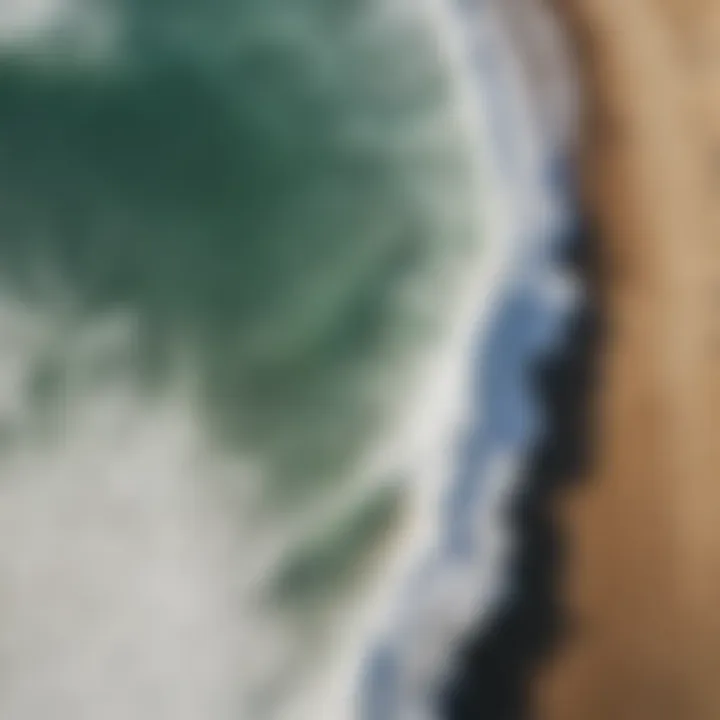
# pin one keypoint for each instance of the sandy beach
(641, 580)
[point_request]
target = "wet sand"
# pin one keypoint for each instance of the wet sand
(641, 580)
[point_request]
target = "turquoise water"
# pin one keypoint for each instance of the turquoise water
(230, 234)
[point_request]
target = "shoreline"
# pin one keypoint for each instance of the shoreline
(618, 618)
(532, 292)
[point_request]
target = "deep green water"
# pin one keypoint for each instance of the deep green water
(258, 181)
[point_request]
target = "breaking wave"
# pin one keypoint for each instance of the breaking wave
(246, 248)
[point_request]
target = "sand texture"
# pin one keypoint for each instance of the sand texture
(641, 579)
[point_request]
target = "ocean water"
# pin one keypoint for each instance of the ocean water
(244, 247)
(230, 236)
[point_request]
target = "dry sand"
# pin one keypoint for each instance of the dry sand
(642, 578)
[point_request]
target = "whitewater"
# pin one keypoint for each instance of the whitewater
(272, 275)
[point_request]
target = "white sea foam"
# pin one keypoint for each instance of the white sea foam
(58, 32)
(527, 132)
(129, 590)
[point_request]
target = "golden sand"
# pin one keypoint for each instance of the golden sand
(643, 575)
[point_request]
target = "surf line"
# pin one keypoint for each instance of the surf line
(525, 301)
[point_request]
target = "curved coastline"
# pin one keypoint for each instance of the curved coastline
(466, 570)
